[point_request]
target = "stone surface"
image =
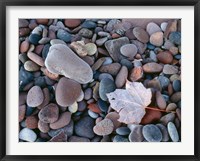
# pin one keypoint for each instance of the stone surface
(31, 66)
(136, 133)
(156, 39)
(163, 129)
(129, 50)
(114, 116)
(136, 74)
(43, 127)
(78, 139)
(173, 133)
(170, 69)
(141, 34)
(121, 77)
(62, 121)
(72, 23)
(123, 131)
(152, 133)
(152, 28)
(27, 135)
(160, 100)
(165, 57)
(60, 137)
(175, 38)
(64, 35)
(22, 112)
(167, 118)
(112, 69)
(31, 122)
(152, 68)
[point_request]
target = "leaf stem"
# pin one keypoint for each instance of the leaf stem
(156, 109)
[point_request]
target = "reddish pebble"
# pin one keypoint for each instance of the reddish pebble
(31, 122)
(22, 111)
(42, 21)
(152, 68)
(94, 108)
(63, 120)
(136, 74)
(160, 100)
(72, 23)
(165, 57)
(114, 116)
(24, 46)
(24, 31)
(35, 58)
(43, 127)
(38, 49)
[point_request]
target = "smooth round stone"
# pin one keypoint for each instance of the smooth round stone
(23, 23)
(129, 50)
(108, 60)
(84, 32)
(104, 127)
(152, 133)
(164, 132)
(22, 112)
(152, 28)
(152, 68)
(175, 38)
(24, 46)
(170, 69)
(43, 127)
(126, 63)
(176, 85)
(88, 94)
(119, 138)
(31, 122)
(93, 114)
(23, 57)
(29, 111)
(103, 105)
(31, 66)
(121, 77)
(49, 113)
(91, 48)
(114, 116)
(167, 118)
(168, 44)
(35, 96)
(88, 24)
(101, 41)
(173, 133)
(164, 81)
(64, 35)
(136, 74)
(84, 127)
(72, 23)
(62, 60)
(156, 39)
(106, 86)
(67, 97)
(123, 131)
(45, 50)
(78, 139)
(112, 69)
(36, 58)
(27, 135)
(160, 100)
(80, 97)
(73, 108)
(57, 41)
(34, 38)
(165, 57)
(163, 26)
(24, 31)
(62, 121)
(60, 137)
(176, 97)
(94, 108)
(136, 133)
(141, 34)
(105, 75)
(171, 107)
(42, 21)
(153, 56)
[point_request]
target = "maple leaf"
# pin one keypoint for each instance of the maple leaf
(130, 102)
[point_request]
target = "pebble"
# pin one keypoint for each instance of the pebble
(136, 74)
(84, 127)
(36, 58)
(121, 77)
(27, 135)
(176, 97)
(167, 118)
(141, 46)
(93, 114)
(105, 75)
(94, 107)
(68, 64)
(173, 133)
(141, 34)
(98, 64)
(101, 41)
(72, 23)
(160, 100)
(79, 48)
(43, 127)
(151, 116)
(31, 66)
(34, 38)
(157, 39)
(49, 113)
(84, 32)
(152, 133)
(62, 121)
(171, 107)
(64, 35)
(45, 51)
(46, 98)
(88, 59)
(91, 48)
(23, 57)
(126, 63)
(31, 122)
(175, 38)
(171, 27)
(119, 138)
(57, 41)
(60, 137)
(129, 50)
(123, 131)
(114, 116)
(88, 94)
(67, 97)
(38, 49)
(165, 57)
(42, 21)
(163, 129)
(23, 23)
(113, 47)
(73, 108)
(164, 81)
(176, 85)
(22, 112)
(108, 60)
(106, 86)
(24, 31)
(78, 139)
(163, 26)
(152, 68)
(153, 56)
(104, 127)
(35, 96)
(136, 134)
(152, 28)
(88, 24)
(170, 69)
(112, 69)
(24, 46)
(103, 105)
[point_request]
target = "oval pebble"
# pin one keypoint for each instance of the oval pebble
(121, 77)
(176, 85)
(152, 133)
(173, 133)
(90, 48)
(165, 57)
(164, 132)
(119, 138)
(141, 34)
(136, 133)
(64, 35)
(123, 131)
(152, 68)
(43, 127)
(27, 135)
(73, 108)
(103, 105)
(157, 39)
(93, 114)
(129, 50)
(31, 66)
(152, 28)
(34, 38)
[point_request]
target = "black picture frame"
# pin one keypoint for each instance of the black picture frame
(5, 3)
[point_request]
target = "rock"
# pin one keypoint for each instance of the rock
(165, 57)
(88, 24)
(126, 63)
(72, 23)
(98, 64)
(105, 75)
(84, 127)
(153, 56)
(152, 68)
(79, 48)
(170, 69)
(35, 96)
(73, 108)
(62, 60)
(104, 127)
(171, 27)
(46, 98)
(163, 26)
(160, 100)
(27, 135)
(119, 138)
(88, 94)
(60, 137)
(141, 46)
(141, 34)
(101, 41)
(78, 139)
(31, 122)
(35, 58)
(34, 38)
(23, 23)
(82, 106)
(62, 121)
(136, 134)
(154, 83)
(88, 59)
(45, 51)
(112, 69)
(111, 24)
(57, 41)
(173, 133)
(49, 113)
(152, 28)
(167, 118)
(114, 116)
(91, 48)
(136, 74)
(151, 116)
(67, 97)
(163, 129)
(176, 97)
(123, 131)
(129, 50)
(175, 38)
(108, 60)
(171, 107)
(42, 21)
(23, 57)
(164, 81)
(176, 85)
(64, 35)
(93, 114)
(113, 47)
(152, 133)
(103, 105)
(106, 86)
(43, 127)
(121, 77)
(31, 66)
(85, 33)
(24, 31)
(94, 107)
(22, 112)
(24, 46)
(156, 39)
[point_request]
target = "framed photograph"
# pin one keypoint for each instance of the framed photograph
(94, 80)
